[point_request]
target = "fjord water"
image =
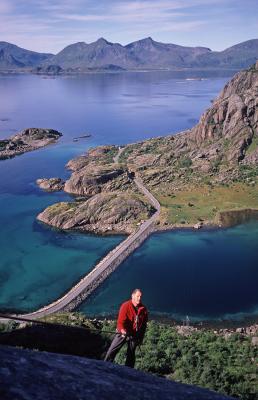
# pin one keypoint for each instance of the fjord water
(207, 275)
(38, 264)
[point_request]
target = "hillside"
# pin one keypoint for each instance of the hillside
(196, 175)
(13, 57)
(239, 56)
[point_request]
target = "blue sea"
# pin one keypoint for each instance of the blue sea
(204, 275)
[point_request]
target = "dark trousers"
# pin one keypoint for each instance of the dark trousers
(117, 343)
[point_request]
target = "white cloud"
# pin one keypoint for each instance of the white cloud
(61, 22)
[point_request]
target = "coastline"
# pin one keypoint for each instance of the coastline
(243, 215)
(119, 71)
(221, 326)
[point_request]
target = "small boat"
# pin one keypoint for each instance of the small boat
(81, 137)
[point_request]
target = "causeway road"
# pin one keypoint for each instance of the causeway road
(136, 237)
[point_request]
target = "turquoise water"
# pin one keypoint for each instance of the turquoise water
(203, 274)
(39, 264)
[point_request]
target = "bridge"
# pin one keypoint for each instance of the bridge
(106, 266)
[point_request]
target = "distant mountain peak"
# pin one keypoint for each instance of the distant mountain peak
(103, 41)
(143, 43)
(147, 39)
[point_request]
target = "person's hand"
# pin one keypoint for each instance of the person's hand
(123, 332)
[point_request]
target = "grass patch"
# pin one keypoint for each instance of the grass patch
(253, 146)
(204, 202)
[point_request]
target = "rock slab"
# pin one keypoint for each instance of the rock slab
(33, 375)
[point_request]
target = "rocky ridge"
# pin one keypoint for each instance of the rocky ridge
(147, 54)
(28, 140)
(225, 138)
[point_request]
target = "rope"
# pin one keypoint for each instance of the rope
(6, 316)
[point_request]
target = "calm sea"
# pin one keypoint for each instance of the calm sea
(205, 275)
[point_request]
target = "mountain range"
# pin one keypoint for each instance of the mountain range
(144, 54)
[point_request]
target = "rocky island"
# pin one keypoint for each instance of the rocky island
(197, 175)
(108, 200)
(28, 140)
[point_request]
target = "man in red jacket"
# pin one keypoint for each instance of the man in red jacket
(131, 327)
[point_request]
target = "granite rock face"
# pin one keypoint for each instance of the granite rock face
(102, 213)
(30, 375)
(225, 138)
(50, 185)
(108, 198)
(94, 179)
(28, 140)
(231, 124)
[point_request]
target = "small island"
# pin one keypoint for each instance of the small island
(28, 140)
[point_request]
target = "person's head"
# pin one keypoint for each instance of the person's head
(136, 297)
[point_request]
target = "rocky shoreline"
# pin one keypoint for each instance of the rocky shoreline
(202, 177)
(225, 329)
(28, 140)
(248, 331)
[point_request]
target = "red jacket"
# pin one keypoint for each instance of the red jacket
(132, 320)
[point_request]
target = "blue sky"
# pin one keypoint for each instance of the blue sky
(50, 25)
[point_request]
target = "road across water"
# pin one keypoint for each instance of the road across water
(106, 266)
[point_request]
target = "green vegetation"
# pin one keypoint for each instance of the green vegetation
(126, 153)
(61, 207)
(3, 144)
(248, 171)
(204, 359)
(8, 327)
(253, 146)
(108, 156)
(227, 365)
(185, 162)
(204, 202)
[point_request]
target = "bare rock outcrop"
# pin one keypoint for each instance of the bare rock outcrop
(28, 140)
(51, 184)
(30, 375)
(231, 124)
(225, 139)
(94, 179)
(102, 213)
